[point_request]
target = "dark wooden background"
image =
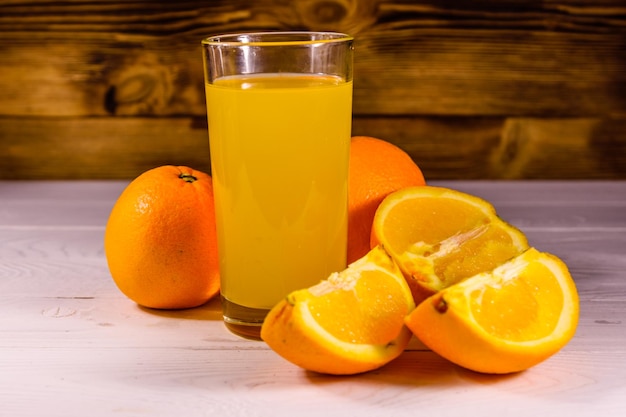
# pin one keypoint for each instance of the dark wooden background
(507, 89)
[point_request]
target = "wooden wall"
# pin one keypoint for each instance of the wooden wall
(506, 89)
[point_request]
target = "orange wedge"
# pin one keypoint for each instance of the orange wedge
(502, 321)
(350, 323)
(439, 236)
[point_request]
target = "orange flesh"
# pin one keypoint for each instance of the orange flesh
(520, 310)
(358, 313)
(476, 255)
(447, 217)
(455, 241)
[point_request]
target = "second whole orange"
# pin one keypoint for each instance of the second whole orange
(377, 168)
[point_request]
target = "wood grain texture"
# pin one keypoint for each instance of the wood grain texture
(444, 148)
(430, 57)
(424, 72)
(72, 344)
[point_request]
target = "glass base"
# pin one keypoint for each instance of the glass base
(243, 321)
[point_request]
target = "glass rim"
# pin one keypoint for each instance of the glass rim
(299, 38)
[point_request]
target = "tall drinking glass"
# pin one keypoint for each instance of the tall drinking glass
(279, 110)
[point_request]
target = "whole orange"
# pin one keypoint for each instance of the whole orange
(377, 168)
(160, 240)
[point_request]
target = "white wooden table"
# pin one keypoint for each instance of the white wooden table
(72, 345)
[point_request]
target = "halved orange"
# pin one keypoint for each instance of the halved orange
(439, 236)
(502, 321)
(350, 323)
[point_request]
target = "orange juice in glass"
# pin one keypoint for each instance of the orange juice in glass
(279, 112)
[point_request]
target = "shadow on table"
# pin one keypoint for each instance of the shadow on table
(211, 310)
(414, 368)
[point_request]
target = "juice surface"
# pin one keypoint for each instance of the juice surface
(279, 152)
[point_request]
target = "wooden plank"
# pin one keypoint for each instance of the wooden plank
(444, 147)
(530, 194)
(536, 206)
(511, 148)
(61, 148)
(117, 381)
(512, 58)
(512, 89)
